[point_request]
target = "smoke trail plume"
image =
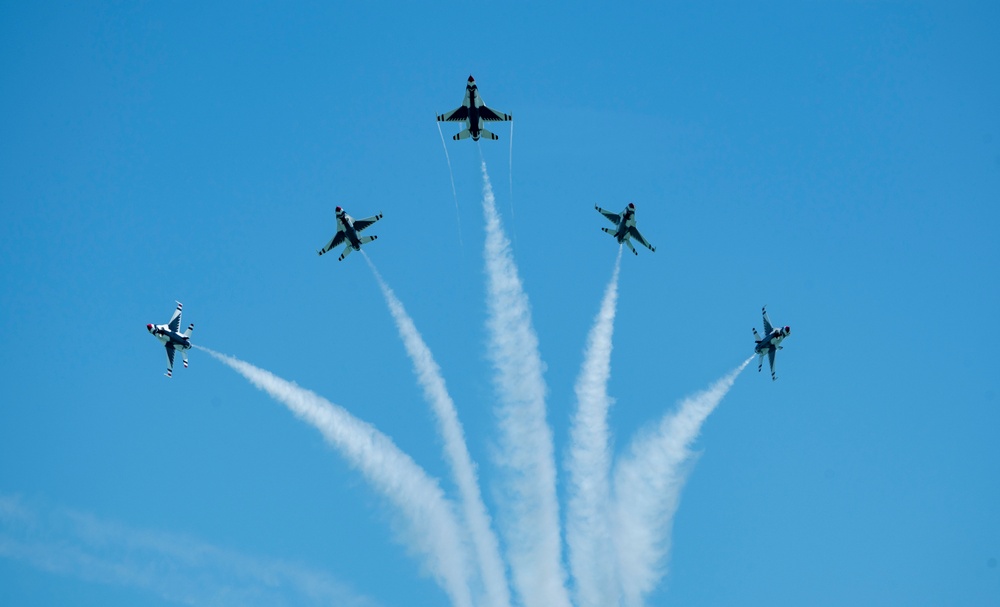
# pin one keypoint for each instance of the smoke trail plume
(531, 517)
(476, 517)
(431, 528)
(588, 533)
(648, 482)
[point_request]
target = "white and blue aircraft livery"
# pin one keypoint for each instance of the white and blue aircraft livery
(474, 112)
(625, 230)
(171, 337)
(770, 344)
(347, 232)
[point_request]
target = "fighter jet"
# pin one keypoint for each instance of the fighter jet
(173, 339)
(473, 112)
(770, 344)
(626, 229)
(347, 230)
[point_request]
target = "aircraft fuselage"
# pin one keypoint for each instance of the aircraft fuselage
(475, 122)
(166, 336)
(773, 340)
(770, 341)
(627, 221)
(349, 232)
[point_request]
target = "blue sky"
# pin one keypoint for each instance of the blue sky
(839, 162)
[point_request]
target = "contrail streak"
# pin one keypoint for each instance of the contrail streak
(477, 518)
(531, 517)
(432, 529)
(588, 532)
(648, 482)
(451, 175)
(510, 169)
(178, 568)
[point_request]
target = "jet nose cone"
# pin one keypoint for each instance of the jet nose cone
(339, 209)
(149, 327)
(471, 79)
(631, 205)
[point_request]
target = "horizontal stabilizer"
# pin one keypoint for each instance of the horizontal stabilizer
(347, 251)
(367, 239)
(463, 135)
(189, 329)
(609, 231)
(487, 134)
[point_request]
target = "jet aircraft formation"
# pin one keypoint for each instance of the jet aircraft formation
(474, 113)
(171, 337)
(347, 230)
(625, 229)
(770, 344)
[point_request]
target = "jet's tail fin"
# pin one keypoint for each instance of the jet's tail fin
(189, 329)
(463, 135)
(488, 134)
(367, 239)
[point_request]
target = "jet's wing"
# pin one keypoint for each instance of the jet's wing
(491, 115)
(175, 320)
(770, 358)
(614, 218)
(336, 241)
(634, 233)
(767, 322)
(361, 224)
(459, 115)
(170, 359)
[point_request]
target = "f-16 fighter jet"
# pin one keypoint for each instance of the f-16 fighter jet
(771, 342)
(626, 229)
(347, 231)
(173, 339)
(474, 112)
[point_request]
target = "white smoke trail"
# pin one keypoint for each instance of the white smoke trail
(451, 175)
(531, 517)
(477, 518)
(588, 532)
(432, 529)
(648, 482)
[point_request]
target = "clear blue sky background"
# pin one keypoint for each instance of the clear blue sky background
(839, 162)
